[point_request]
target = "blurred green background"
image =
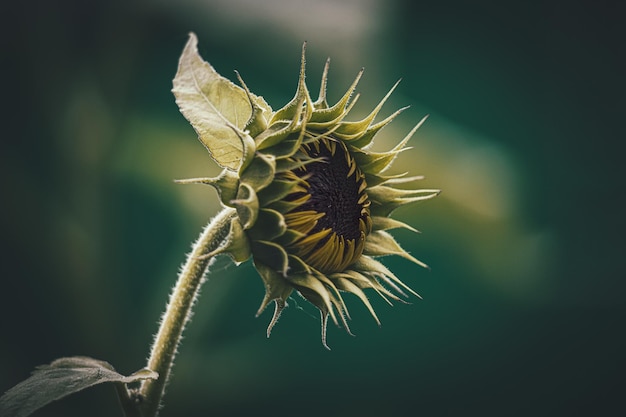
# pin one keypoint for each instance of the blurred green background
(523, 311)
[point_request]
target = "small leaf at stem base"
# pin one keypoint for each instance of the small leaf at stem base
(59, 379)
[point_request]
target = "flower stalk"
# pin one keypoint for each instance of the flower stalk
(178, 310)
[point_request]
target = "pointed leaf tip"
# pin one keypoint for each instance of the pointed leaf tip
(216, 108)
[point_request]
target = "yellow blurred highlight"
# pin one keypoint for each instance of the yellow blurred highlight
(479, 210)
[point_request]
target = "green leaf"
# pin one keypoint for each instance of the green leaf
(59, 379)
(217, 109)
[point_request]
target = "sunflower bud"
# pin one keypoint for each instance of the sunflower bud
(312, 201)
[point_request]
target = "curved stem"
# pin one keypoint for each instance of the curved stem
(178, 310)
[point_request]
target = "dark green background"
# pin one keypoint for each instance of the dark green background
(523, 311)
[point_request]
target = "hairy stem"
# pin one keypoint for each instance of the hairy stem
(178, 310)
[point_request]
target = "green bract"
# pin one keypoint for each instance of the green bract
(312, 201)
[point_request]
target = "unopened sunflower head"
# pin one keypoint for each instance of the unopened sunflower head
(313, 202)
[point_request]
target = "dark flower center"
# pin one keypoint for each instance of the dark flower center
(334, 191)
(333, 210)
